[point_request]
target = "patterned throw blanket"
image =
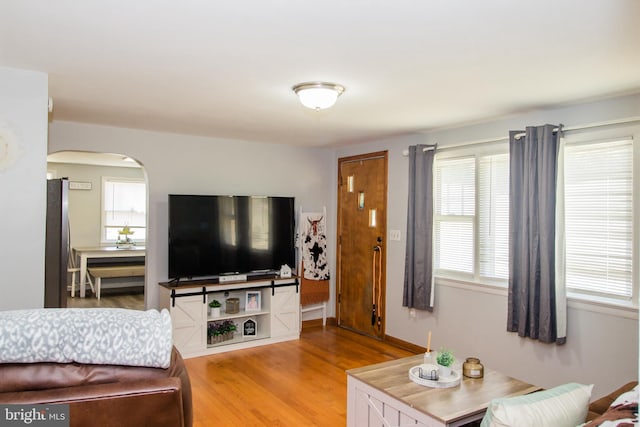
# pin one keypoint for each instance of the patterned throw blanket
(104, 336)
(312, 241)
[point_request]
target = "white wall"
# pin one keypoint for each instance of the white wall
(197, 165)
(23, 113)
(602, 344)
(85, 206)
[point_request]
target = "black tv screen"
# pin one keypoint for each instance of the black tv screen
(215, 235)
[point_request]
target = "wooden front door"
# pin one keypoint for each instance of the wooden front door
(362, 225)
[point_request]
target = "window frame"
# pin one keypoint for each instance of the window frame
(475, 151)
(462, 218)
(614, 135)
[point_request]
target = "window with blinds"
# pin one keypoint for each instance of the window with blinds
(471, 216)
(493, 219)
(598, 218)
(124, 203)
(454, 214)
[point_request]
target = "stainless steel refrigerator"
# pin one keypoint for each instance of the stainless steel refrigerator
(57, 243)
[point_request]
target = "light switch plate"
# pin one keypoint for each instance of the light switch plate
(394, 235)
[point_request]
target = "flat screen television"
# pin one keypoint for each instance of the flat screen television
(211, 235)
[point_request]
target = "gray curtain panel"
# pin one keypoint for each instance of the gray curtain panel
(532, 198)
(418, 269)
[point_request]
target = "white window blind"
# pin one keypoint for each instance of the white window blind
(471, 216)
(493, 218)
(454, 214)
(598, 218)
(123, 204)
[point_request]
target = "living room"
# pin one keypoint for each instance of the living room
(469, 318)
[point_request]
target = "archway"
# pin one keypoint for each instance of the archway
(107, 192)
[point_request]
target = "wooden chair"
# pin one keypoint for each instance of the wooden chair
(71, 268)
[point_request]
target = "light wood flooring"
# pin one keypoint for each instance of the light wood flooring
(134, 301)
(295, 383)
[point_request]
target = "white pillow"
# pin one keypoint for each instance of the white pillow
(565, 405)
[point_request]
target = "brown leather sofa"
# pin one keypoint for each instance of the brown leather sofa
(104, 395)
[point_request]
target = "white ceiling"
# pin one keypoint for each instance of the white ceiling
(226, 68)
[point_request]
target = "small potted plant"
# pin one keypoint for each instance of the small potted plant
(445, 359)
(228, 329)
(213, 333)
(220, 331)
(214, 308)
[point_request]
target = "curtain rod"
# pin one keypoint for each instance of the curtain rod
(405, 152)
(520, 135)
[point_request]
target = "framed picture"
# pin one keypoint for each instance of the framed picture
(249, 328)
(252, 302)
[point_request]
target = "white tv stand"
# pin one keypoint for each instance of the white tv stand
(277, 320)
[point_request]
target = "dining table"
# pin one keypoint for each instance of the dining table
(84, 254)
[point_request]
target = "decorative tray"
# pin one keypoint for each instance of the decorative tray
(442, 382)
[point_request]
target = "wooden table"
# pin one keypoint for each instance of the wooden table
(85, 253)
(383, 395)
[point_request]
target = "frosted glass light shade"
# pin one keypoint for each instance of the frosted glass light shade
(318, 95)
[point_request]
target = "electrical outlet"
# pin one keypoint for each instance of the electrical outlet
(412, 312)
(394, 235)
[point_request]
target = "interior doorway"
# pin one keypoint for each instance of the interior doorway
(107, 203)
(362, 230)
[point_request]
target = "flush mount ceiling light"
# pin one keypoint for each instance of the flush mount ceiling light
(318, 95)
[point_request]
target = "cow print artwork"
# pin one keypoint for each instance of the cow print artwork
(313, 242)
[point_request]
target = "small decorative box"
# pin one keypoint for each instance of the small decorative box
(232, 305)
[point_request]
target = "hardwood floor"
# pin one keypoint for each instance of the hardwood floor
(134, 301)
(295, 383)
